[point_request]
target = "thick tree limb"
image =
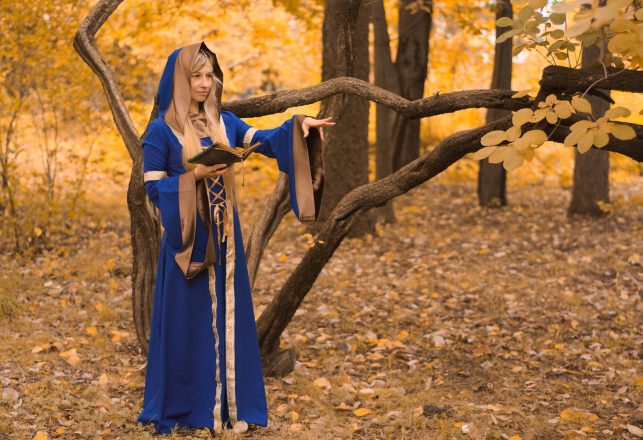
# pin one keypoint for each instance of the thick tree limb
(281, 309)
(558, 79)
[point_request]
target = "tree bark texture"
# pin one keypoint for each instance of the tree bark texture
(492, 178)
(411, 64)
(345, 53)
(591, 184)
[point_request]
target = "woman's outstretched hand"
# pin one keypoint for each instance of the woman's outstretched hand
(201, 171)
(316, 123)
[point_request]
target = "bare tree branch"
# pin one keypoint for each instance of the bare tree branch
(271, 215)
(85, 45)
(430, 106)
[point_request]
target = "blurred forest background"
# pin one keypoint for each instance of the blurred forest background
(452, 321)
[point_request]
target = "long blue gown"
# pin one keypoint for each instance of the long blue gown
(202, 371)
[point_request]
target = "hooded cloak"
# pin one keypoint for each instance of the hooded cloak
(204, 366)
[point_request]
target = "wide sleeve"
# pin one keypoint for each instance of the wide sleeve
(175, 196)
(298, 156)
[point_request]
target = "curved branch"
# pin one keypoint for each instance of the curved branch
(85, 45)
(430, 106)
(281, 309)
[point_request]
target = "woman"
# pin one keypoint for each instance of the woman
(204, 368)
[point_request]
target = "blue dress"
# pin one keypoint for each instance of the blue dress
(204, 367)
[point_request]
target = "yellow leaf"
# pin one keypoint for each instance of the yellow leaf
(513, 133)
(100, 307)
(563, 109)
(41, 435)
(116, 335)
(617, 112)
(294, 415)
(551, 100)
(512, 160)
(39, 348)
(498, 155)
(71, 356)
(577, 416)
(483, 153)
(582, 125)
(622, 131)
(37, 231)
(539, 115)
(515, 437)
(537, 4)
(103, 380)
(581, 104)
(551, 117)
(322, 382)
(91, 330)
(61, 431)
(283, 258)
(295, 427)
(600, 138)
(493, 138)
(535, 137)
(361, 412)
(521, 116)
(585, 142)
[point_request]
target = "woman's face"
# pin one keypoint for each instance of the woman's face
(201, 82)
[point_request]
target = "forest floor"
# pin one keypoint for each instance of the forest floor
(454, 322)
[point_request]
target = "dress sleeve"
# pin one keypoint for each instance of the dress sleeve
(175, 196)
(298, 156)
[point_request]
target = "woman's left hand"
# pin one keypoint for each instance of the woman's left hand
(316, 123)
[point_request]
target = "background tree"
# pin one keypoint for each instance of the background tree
(405, 77)
(492, 178)
(345, 54)
(591, 183)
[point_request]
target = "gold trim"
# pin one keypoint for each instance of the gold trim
(153, 175)
(230, 306)
(248, 136)
(303, 178)
(218, 423)
(187, 213)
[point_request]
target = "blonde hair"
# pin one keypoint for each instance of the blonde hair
(191, 142)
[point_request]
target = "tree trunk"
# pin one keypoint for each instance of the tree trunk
(345, 53)
(411, 65)
(492, 178)
(385, 76)
(591, 169)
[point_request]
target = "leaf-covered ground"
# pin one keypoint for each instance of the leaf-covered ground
(454, 322)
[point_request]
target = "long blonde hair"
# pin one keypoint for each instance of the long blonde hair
(191, 142)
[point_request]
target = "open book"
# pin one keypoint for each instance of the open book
(222, 153)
